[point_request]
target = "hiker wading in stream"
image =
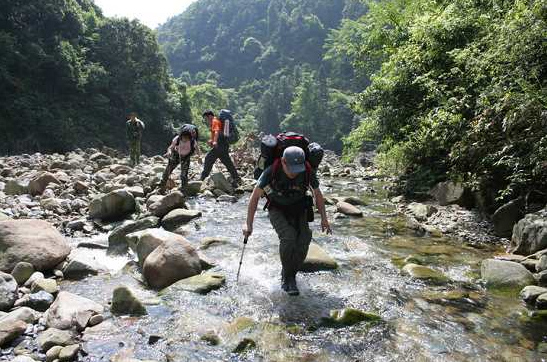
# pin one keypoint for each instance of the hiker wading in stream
(285, 184)
(220, 148)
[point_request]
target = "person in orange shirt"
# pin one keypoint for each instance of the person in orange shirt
(220, 149)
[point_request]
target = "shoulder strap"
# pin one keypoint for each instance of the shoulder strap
(275, 169)
(308, 174)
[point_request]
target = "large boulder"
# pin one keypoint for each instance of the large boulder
(117, 241)
(530, 234)
(70, 310)
(148, 240)
(179, 217)
(115, 205)
(39, 183)
(161, 207)
(169, 262)
(507, 216)
(505, 274)
(318, 259)
(448, 192)
(8, 291)
(34, 241)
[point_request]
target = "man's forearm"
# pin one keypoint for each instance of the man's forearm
(320, 200)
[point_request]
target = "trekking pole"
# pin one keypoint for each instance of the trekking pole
(241, 259)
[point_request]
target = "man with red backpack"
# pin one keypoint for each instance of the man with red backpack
(285, 183)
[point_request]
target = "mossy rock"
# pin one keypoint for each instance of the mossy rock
(211, 338)
(424, 273)
(349, 317)
(124, 302)
(239, 325)
(244, 345)
(201, 284)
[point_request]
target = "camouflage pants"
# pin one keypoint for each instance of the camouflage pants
(174, 160)
(294, 240)
(134, 151)
(221, 152)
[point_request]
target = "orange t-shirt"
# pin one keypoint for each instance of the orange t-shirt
(216, 126)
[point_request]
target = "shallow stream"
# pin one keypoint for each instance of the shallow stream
(455, 321)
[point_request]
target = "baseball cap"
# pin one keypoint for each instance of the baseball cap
(295, 158)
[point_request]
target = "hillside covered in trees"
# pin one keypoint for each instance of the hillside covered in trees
(69, 76)
(266, 61)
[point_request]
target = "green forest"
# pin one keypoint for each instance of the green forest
(446, 89)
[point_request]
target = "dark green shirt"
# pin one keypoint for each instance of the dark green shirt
(286, 191)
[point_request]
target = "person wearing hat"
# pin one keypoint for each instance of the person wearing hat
(134, 128)
(285, 187)
(220, 149)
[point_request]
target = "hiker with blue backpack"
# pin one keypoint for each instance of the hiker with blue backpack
(286, 171)
(223, 133)
(181, 149)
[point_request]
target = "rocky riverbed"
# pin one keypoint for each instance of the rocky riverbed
(101, 267)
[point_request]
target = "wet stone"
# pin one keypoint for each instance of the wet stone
(22, 272)
(530, 293)
(201, 284)
(124, 302)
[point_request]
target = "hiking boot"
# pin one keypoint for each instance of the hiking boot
(289, 286)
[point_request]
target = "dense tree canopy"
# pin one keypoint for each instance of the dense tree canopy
(69, 76)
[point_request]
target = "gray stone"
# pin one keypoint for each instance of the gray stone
(542, 264)
(163, 206)
(193, 188)
(96, 319)
(25, 314)
(117, 241)
(39, 301)
(8, 291)
(23, 359)
(178, 217)
(124, 302)
(115, 205)
(54, 337)
(70, 310)
(221, 183)
(201, 284)
(81, 187)
(81, 264)
(16, 187)
(76, 225)
(505, 274)
(34, 241)
(136, 191)
(69, 353)
(10, 330)
(421, 211)
(3, 217)
(39, 183)
(353, 200)
(448, 192)
(169, 262)
(317, 260)
(530, 293)
(34, 277)
(530, 234)
(541, 301)
(47, 285)
(348, 209)
(53, 353)
(506, 216)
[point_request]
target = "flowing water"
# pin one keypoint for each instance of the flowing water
(457, 321)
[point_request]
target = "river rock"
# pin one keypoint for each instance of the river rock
(171, 261)
(421, 211)
(10, 330)
(39, 183)
(81, 264)
(8, 291)
(221, 183)
(54, 337)
(25, 314)
(201, 284)
(115, 205)
(32, 241)
(124, 302)
(34, 277)
(4, 217)
(530, 234)
(349, 317)
(424, 273)
(501, 273)
(22, 271)
(542, 264)
(70, 310)
(148, 240)
(317, 259)
(506, 216)
(117, 241)
(69, 353)
(47, 285)
(227, 198)
(163, 206)
(179, 217)
(39, 301)
(16, 187)
(23, 358)
(209, 241)
(348, 209)
(541, 301)
(448, 192)
(81, 187)
(530, 293)
(53, 353)
(353, 200)
(193, 188)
